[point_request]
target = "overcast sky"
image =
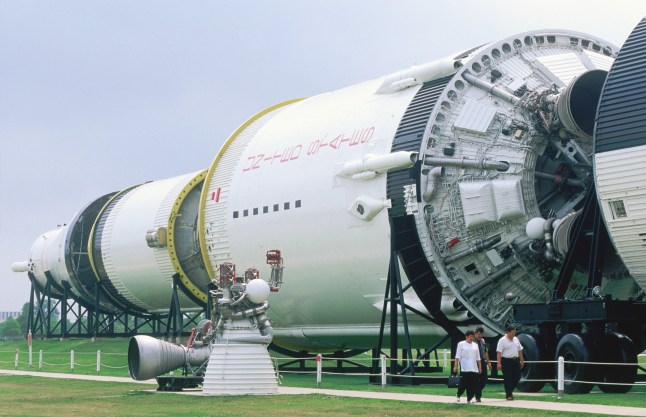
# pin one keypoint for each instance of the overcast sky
(96, 96)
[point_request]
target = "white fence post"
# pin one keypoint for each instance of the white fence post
(29, 344)
(72, 360)
(16, 361)
(40, 360)
(384, 380)
(446, 358)
(98, 361)
(560, 377)
(319, 367)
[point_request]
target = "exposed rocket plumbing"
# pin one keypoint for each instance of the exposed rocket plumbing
(241, 329)
(481, 163)
(433, 175)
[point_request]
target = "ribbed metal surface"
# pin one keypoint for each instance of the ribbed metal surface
(474, 117)
(564, 66)
(162, 219)
(620, 176)
(102, 259)
(76, 248)
(620, 116)
(600, 61)
(239, 369)
(620, 153)
(216, 212)
(408, 138)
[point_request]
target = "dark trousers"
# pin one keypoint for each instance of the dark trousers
(468, 382)
(510, 374)
(482, 381)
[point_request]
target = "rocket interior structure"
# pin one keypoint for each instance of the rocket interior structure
(478, 165)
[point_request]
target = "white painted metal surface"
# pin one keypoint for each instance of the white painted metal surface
(285, 194)
(141, 274)
(620, 177)
(309, 178)
(239, 369)
(46, 254)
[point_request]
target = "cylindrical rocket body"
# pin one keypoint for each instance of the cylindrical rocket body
(435, 164)
(139, 276)
(46, 254)
(283, 192)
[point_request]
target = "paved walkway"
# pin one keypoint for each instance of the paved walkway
(525, 404)
(486, 402)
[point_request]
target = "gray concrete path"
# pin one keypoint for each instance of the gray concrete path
(486, 402)
(77, 376)
(525, 404)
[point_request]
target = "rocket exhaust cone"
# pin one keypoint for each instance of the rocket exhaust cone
(149, 357)
(577, 104)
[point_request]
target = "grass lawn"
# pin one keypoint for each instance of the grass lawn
(56, 358)
(34, 396)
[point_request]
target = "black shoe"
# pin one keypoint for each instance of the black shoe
(478, 400)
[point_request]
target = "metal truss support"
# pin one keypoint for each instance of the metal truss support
(175, 318)
(83, 319)
(589, 243)
(393, 304)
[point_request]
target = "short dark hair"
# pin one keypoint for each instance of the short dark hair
(480, 329)
(469, 333)
(510, 328)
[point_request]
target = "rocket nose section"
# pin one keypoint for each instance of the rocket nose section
(20, 266)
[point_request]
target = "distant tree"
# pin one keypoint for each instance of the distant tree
(10, 328)
(23, 318)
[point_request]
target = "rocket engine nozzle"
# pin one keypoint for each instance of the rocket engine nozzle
(149, 357)
(577, 104)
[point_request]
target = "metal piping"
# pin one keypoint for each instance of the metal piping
(491, 278)
(239, 300)
(482, 163)
(418, 74)
(433, 176)
(250, 312)
(371, 165)
(479, 246)
(496, 91)
(559, 180)
(550, 254)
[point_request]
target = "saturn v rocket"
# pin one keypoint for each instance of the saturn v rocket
(474, 167)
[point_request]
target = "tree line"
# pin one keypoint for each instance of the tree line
(13, 328)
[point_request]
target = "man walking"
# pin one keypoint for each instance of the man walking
(468, 355)
(510, 360)
(484, 360)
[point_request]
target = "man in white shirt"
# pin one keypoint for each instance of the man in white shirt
(468, 355)
(510, 360)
